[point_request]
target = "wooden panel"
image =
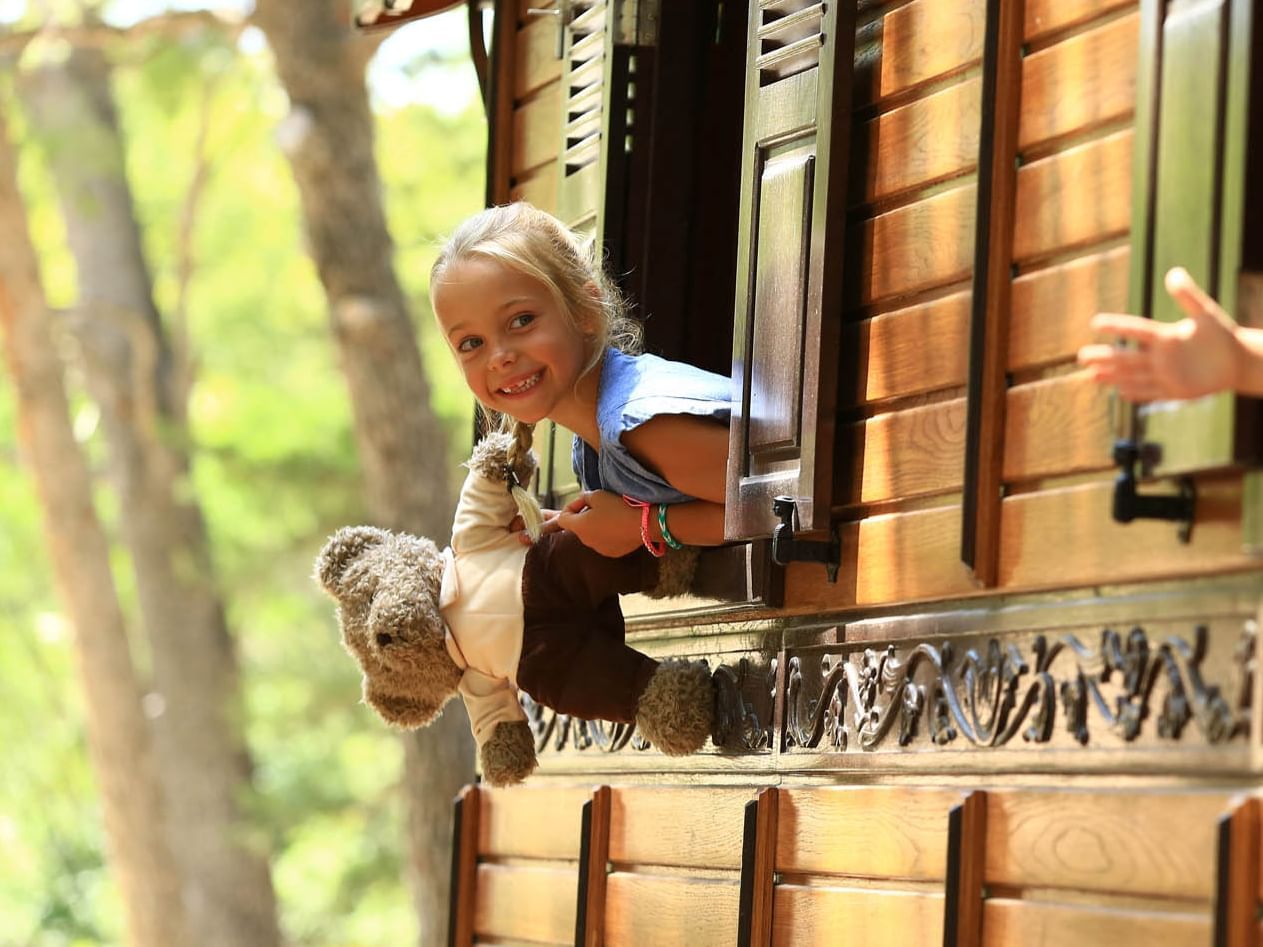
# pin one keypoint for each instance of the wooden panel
(531, 822)
(1087, 80)
(1057, 426)
(537, 130)
(464, 877)
(889, 833)
(927, 244)
(535, 57)
(921, 41)
(816, 917)
(1068, 537)
(780, 306)
(900, 556)
(894, 359)
(1074, 198)
(1049, 539)
(907, 453)
(1153, 844)
(916, 145)
(682, 827)
(535, 904)
(644, 909)
(1048, 16)
(1052, 306)
(1009, 923)
(538, 188)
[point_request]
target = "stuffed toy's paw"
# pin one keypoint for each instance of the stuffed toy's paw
(675, 573)
(508, 757)
(491, 457)
(677, 709)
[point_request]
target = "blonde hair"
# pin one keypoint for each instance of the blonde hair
(536, 244)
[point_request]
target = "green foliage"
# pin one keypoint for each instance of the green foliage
(274, 472)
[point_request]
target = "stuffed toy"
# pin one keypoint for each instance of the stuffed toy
(489, 616)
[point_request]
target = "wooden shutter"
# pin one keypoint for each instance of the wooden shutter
(799, 62)
(1198, 203)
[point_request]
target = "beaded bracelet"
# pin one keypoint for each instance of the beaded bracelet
(658, 549)
(666, 533)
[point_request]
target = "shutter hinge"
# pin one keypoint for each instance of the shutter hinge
(787, 548)
(1130, 505)
(635, 22)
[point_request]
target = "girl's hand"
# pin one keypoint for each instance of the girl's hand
(603, 522)
(1196, 356)
(549, 526)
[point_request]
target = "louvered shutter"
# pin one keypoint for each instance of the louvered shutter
(1198, 203)
(799, 64)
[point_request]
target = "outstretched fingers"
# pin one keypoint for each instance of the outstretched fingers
(1190, 297)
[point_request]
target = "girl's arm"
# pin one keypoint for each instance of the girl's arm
(605, 523)
(689, 453)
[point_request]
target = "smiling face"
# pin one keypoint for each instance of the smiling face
(520, 352)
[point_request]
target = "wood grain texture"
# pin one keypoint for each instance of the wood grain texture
(918, 144)
(1049, 539)
(1081, 82)
(535, 904)
(538, 187)
(535, 56)
(463, 893)
(1057, 426)
(870, 832)
(689, 912)
(914, 452)
(926, 244)
(1146, 844)
(1009, 923)
(921, 41)
(1236, 890)
(698, 828)
(908, 351)
(531, 822)
(537, 130)
(816, 917)
(1051, 307)
(1074, 198)
(1065, 537)
(597, 871)
(1048, 16)
(762, 873)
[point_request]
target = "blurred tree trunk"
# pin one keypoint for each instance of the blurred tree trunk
(118, 735)
(141, 385)
(328, 137)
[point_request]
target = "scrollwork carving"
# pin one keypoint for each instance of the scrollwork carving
(743, 700)
(990, 693)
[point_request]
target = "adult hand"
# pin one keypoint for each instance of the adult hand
(1196, 356)
(603, 522)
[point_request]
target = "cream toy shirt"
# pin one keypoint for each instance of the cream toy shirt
(481, 603)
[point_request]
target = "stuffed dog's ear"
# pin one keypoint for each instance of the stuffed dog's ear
(405, 711)
(342, 549)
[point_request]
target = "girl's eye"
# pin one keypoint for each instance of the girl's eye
(521, 320)
(468, 344)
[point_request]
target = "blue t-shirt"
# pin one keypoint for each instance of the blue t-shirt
(633, 389)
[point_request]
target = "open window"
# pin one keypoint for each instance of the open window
(1198, 203)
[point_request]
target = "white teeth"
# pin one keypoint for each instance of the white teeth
(522, 386)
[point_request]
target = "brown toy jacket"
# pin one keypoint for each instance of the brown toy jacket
(544, 618)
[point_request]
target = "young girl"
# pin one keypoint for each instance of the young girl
(539, 332)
